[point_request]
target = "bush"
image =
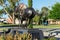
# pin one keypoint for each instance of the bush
(36, 18)
(30, 25)
(51, 38)
(17, 36)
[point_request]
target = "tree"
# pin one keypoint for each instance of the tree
(1, 11)
(36, 18)
(55, 12)
(30, 3)
(30, 20)
(44, 14)
(10, 8)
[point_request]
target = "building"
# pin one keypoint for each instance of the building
(52, 21)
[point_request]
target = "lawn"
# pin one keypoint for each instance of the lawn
(7, 25)
(48, 26)
(34, 26)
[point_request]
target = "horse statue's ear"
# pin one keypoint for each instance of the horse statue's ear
(22, 6)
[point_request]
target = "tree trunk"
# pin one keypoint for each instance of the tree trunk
(7, 12)
(8, 15)
(40, 21)
(13, 18)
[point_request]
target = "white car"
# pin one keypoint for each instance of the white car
(3, 20)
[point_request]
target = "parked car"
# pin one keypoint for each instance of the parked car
(3, 20)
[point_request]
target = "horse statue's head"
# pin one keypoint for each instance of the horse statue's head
(20, 9)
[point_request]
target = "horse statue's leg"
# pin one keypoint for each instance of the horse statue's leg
(30, 23)
(21, 22)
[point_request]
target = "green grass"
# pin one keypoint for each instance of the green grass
(34, 26)
(49, 26)
(7, 25)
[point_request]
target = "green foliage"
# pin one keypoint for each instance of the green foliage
(30, 3)
(55, 12)
(30, 25)
(36, 18)
(12, 3)
(9, 8)
(2, 2)
(44, 12)
(45, 8)
(52, 38)
(1, 11)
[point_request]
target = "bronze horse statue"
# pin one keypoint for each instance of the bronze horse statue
(24, 13)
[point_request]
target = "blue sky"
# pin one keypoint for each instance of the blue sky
(38, 4)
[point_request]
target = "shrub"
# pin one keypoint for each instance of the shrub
(17, 36)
